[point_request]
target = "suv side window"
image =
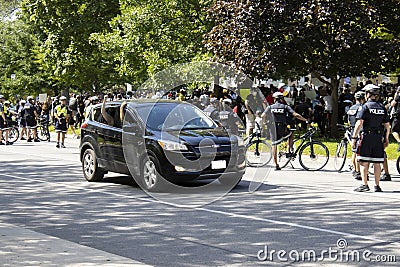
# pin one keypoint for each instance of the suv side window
(97, 115)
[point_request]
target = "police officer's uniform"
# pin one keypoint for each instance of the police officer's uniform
(228, 120)
(8, 116)
(29, 113)
(277, 114)
(371, 148)
(61, 123)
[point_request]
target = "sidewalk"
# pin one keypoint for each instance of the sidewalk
(22, 247)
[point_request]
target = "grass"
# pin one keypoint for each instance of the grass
(391, 150)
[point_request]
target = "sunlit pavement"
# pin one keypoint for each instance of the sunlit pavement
(50, 216)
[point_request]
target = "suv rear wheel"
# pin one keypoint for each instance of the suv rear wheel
(90, 168)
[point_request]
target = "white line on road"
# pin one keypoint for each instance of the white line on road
(230, 214)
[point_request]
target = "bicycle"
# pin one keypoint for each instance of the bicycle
(341, 150)
(258, 151)
(42, 129)
(13, 134)
(313, 155)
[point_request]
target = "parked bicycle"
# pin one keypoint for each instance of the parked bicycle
(258, 151)
(43, 132)
(313, 155)
(341, 150)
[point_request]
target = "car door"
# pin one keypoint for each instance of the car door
(133, 141)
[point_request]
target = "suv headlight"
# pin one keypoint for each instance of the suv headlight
(173, 146)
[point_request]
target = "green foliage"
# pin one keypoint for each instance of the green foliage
(17, 58)
(340, 37)
(66, 53)
(149, 36)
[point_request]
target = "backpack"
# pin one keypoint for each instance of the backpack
(73, 104)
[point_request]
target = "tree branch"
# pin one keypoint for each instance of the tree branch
(319, 77)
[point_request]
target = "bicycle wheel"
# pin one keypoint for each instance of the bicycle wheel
(42, 133)
(13, 135)
(313, 156)
(282, 153)
(258, 153)
(340, 156)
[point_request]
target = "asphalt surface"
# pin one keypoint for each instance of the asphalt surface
(50, 216)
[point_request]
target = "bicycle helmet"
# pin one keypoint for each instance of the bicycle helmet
(63, 98)
(1, 96)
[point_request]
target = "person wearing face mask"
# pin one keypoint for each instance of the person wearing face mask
(253, 103)
(61, 116)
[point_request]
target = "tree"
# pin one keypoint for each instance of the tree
(66, 52)
(149, 36)
(331, 39)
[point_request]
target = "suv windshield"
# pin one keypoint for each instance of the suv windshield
(174, 116)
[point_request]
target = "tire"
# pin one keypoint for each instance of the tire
(258, 153)
(151, 180)
(398, 164)
(13, 135)
(282, 149)
(313, 156)
(90, 167)
(43, 134)
(340, 156)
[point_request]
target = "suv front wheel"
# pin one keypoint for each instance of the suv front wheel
(151, 179)
(90, 168)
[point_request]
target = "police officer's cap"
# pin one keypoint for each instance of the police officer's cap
(29, 98)
(277, 95)
(372, 89)
(7, 102)
(63, 98)
(1, 96)
(359, 95)
(94, 98)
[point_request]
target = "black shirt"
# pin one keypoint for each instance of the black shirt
(278, 112)
(374, 115)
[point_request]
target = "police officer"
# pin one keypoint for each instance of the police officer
(352, 119)
(229, 119)
(21, 119)
(31, 116)
(2, 119)
(212, 110)
(373, 118)
(277, 114)
(61, 116)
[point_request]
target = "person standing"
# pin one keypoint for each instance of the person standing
(373, 118)
(22, 120)
(2, 120)
(396, 118)
(253, 103)
(31, 116)
(352, 119)
(276, 114)
(61, 116)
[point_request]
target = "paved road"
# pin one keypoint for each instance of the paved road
(50, 216)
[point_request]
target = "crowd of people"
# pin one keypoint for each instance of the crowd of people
(286, 106)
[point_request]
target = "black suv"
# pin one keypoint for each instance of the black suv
(156, 140)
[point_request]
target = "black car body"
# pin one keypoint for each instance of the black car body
(181, 142)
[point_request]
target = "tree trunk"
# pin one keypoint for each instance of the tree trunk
(335, 96)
